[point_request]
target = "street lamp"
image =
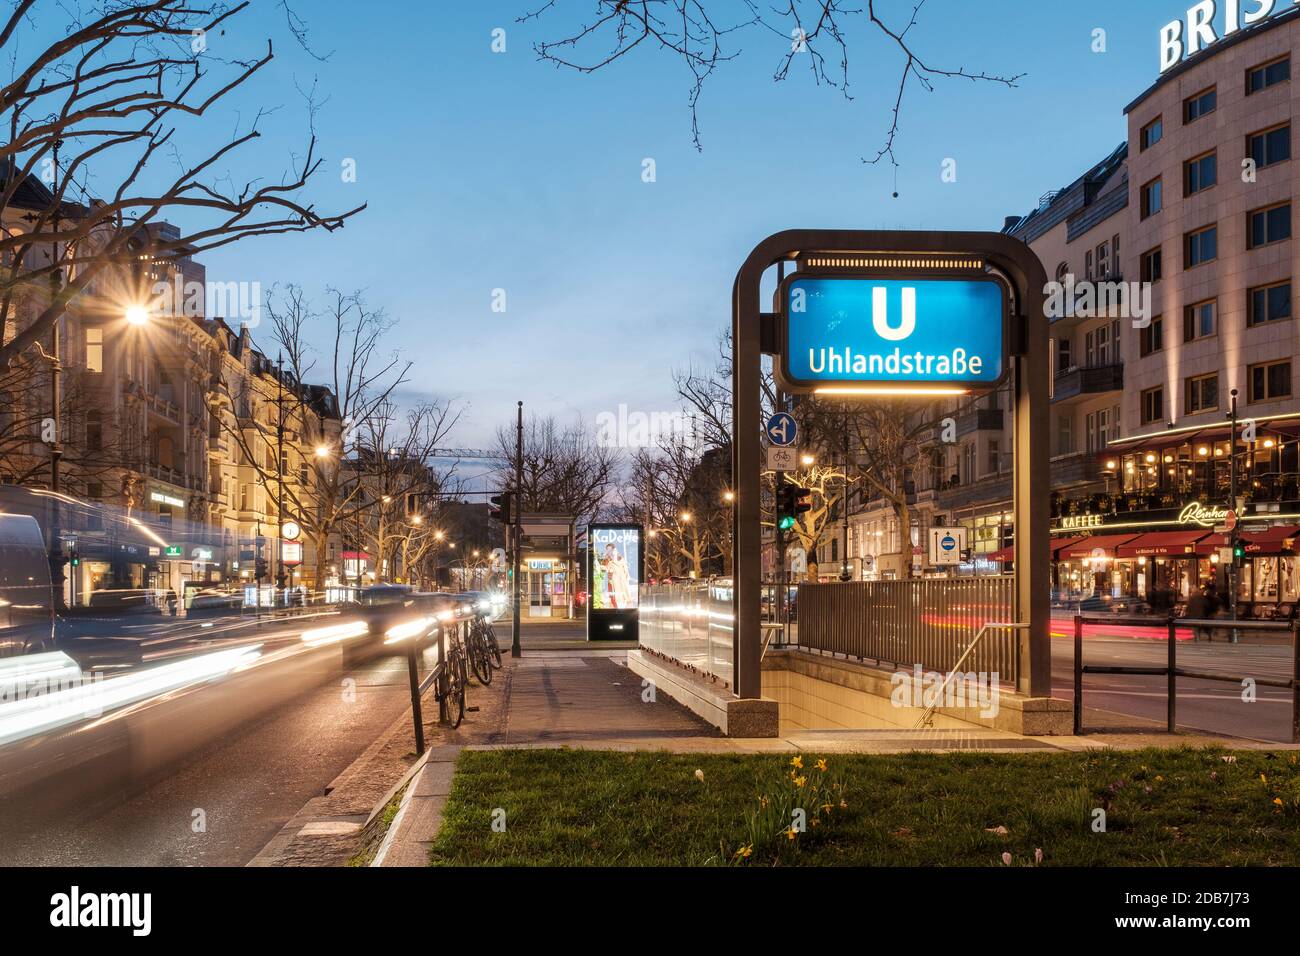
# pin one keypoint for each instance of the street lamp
(808, 460)
(137, 315)
(322, 451)
(417, 519)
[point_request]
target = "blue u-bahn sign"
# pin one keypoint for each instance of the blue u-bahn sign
(893, 334)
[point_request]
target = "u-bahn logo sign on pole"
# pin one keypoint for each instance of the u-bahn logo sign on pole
(851, 334)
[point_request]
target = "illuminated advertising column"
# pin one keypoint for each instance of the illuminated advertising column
(614, 571)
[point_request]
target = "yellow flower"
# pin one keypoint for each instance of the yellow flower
(1278, 801)
(826, 808)
(821, 764)
(843, 805)
(800, 781)
(816, 822)
(744, 852)
(1158, 777)
(1263, 779)
(796, 762)
(762, 802)
(789, 834)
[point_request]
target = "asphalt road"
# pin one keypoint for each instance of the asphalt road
(228, 791)
(1214, 706)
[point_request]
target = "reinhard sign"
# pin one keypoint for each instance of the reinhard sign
(854, 335)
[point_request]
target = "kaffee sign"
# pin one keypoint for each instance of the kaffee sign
(1203, 27)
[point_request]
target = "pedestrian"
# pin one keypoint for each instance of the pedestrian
(1199, 609)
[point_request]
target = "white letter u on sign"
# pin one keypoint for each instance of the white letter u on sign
(880, 315)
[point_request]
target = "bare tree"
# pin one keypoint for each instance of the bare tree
(696, 33)
(565, 469)
(373, 435)
(109, 93)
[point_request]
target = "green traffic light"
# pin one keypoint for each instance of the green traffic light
(786, 522)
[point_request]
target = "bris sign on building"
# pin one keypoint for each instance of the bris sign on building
(1203, 26)
(860, 335)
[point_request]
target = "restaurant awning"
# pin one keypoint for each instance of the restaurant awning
(1004, 554)
(1271, 541)
(1087, 547)
(1162, 543)
(1059, 543)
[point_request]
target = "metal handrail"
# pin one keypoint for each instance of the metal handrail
(928, 715)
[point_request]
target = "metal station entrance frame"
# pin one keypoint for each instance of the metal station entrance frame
(754, 333)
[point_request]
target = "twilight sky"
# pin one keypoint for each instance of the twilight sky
(492, 171)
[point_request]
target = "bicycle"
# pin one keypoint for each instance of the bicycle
(483, 651)
(452, 678)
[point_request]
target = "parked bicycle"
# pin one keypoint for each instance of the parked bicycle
(451, 678)
(483, 651)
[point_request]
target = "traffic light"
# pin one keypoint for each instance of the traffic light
(500, 510)
(74, 558)
(802, 500)
(260, 569)
(1238, 551)
(791, 501)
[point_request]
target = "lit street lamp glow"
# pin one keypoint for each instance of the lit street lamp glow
(137, 315)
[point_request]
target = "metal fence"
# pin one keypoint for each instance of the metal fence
(692, 623)
(928, 621)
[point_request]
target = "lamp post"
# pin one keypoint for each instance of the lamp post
(1234, 568)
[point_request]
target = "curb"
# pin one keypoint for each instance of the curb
(419, 818)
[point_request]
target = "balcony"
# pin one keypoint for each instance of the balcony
(979, 420)
(1090, 380)
(1077, 468)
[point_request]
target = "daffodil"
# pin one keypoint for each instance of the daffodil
(789, 834)
(800, 781)
(821, 764)
(796, 762)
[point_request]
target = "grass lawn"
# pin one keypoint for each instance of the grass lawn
(1176, 807)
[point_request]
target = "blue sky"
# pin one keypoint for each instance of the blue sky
(486, 171)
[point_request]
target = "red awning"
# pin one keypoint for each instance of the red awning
(1271, 541)
(1005, 554)
(1084, 547)
(1162, 543)
(1059, 543)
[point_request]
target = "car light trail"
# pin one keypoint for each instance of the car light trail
(25, 718)
(409, 629)
(320, 636)
(20, 672)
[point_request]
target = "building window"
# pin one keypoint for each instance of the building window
(1201, 246)
(1065, 434)
(1269, 146)
(1200, 173)
(1202, 393)
(1114, 251)
(1152, 338)
(94, 350)
(1271, 224)
(1269, 303)
(1151, 134)
(994, 463)
(304, 475)
(1153, 405)
(1063, 355)
(1270, 380)
(1268, 74)
(94, 431)
(1152, 266)
(1103, 260)
(1194, 107)
(1200, 320)
(1151, 198)
(1087, 264)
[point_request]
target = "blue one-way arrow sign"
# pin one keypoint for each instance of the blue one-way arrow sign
(782, 429)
